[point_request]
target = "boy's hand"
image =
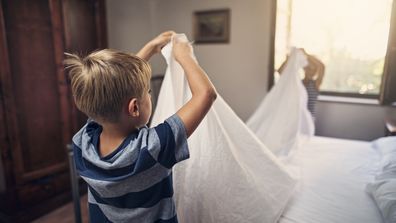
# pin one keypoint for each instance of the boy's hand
(155, 45)
(182, 50)
(161, 40)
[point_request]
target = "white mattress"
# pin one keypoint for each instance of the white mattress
(333, 176)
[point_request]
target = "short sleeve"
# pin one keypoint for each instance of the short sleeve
(167, 142)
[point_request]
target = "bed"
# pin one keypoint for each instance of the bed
(333, 175)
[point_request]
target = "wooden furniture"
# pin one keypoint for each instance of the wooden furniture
(74, 179)
(37, 115)
(390, 126)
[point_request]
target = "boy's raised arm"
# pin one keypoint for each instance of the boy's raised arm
(203, 91)
(155, 45)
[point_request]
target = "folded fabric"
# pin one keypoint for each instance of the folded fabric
(231, 176)
(282, 120)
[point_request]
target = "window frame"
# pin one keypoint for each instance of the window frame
(387, 93)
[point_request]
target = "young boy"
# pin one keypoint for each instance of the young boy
(128, 167)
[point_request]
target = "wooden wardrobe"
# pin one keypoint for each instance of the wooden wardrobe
(37, 113)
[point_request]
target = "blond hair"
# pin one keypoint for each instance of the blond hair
(103, 81)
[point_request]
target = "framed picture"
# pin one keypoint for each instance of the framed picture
(212, 26)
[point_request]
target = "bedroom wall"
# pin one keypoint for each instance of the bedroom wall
(128, 24)
(238, 69)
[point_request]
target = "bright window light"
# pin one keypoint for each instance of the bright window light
(349, 36)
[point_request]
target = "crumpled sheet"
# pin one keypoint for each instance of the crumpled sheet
(231, 175)
(282, 121)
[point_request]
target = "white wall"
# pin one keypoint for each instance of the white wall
(128, 24)
(238, 69)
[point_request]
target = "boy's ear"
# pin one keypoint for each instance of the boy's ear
(133, 107)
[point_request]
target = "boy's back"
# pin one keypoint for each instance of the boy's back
(134, 183)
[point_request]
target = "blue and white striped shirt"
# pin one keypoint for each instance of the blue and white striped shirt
(133, 183)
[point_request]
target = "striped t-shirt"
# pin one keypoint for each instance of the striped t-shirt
(133, 183)
(313, 94)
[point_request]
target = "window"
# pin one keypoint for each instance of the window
(349, 36)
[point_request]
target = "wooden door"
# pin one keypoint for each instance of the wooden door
(35, 87)
(36, 111)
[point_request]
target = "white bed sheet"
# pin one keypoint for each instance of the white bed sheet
(333, 175)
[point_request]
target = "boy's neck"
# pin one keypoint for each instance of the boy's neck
(113, 134)
(117, 130)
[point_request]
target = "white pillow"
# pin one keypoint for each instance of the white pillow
(384, 194)
(388, 162)
(385, 145)
(383, 190)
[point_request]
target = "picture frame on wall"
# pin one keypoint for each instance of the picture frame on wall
(212, 26)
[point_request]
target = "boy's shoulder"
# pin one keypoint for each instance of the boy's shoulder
(156, 134)
(173, 122)
(91, 130)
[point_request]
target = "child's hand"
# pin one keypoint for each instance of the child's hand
(161, 40)
(182, 50)
(155, 45)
